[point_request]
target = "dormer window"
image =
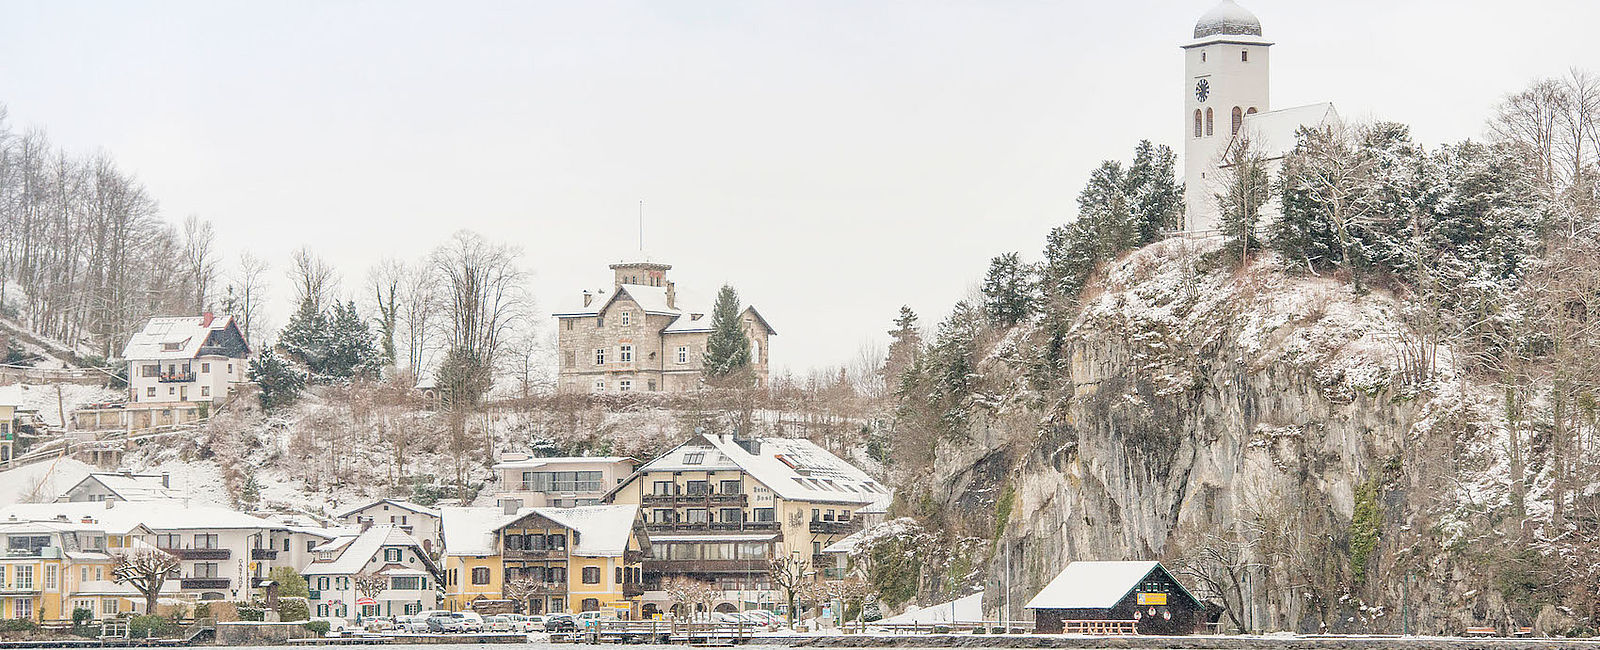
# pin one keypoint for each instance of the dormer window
(170, 347)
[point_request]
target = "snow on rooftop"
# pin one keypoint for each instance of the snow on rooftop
(964, 609)
(1091, 585)
(602, 531)
(134, 487)
(795, 468)
(155, 515)
(173, 337)
(399, 503)
(1272, 134)
(362, 549)
(531, 463)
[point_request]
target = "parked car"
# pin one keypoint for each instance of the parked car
(560, 623)
(527, 623)
(410, 623)
(440, 621)
(470, 621)
(378, 623)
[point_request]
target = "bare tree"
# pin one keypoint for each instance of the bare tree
(789, 574)
(688, 592)
(146, 569)
(313, 278)
(384, 282)
(199, 259)
(368, 584)
(416, 308)
(482, 297)
(249, 287)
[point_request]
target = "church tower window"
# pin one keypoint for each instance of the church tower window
(1244, 55)
(1202, 57)
(1208, 122)
(1197, 125)
(1238, 119)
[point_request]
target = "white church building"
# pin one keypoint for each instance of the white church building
(1228, 98)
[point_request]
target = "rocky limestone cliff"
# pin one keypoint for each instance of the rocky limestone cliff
(1250, 428)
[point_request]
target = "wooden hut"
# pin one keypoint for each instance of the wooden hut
(1116, 598)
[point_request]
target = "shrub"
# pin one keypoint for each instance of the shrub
(249, 613)
(18, 625)
(80, 616)
(319, 627)
(293, 609)
(203, 610)
(149, 626)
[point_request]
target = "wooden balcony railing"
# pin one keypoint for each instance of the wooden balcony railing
(199, 553)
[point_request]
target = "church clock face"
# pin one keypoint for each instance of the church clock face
(1202, 90)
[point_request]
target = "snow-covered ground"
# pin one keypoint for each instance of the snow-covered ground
(56, 400)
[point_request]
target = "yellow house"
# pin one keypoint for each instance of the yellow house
(719, 508)
(52, 567)
(545, 559)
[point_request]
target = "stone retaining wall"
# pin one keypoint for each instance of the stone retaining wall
(1183, 642)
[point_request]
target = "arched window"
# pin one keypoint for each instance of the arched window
(1208, 122)
(1197, 126)
(1238, 119)
(1244, 55)
(1252, 111)
(1202, 57)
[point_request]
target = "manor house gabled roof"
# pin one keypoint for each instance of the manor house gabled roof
(653, 300)
(600, 531)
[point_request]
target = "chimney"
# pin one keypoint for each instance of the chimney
(366, 523)
(672, 296)
(166, 479)
(588, 297)
(205, 319)
(511, 506)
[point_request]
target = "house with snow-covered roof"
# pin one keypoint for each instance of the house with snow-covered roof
(417, 520)
(1119, 596)
(544, 560)
(222, 552)
(178, 368)
(380, 571)
(121, 486)
(718, 508)
(641, 336)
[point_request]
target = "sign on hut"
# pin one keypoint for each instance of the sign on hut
(1116, 598)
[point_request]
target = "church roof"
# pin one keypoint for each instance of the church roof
(1272, 134)
(1227, 18)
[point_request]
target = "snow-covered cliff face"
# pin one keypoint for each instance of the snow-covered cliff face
(1247, 424)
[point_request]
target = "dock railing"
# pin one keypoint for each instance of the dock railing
(954, 627)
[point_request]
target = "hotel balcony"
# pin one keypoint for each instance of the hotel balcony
(670, 500)
(263, 554)
(199, 553)
(836, 527)
(705, 566)
(535, 554)
(175, 377)
(203, 583)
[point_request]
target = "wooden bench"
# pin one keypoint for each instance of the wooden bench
(1481, 631)
(1100, 627)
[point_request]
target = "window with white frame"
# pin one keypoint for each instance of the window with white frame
(625, 385)
(627, 318)
(51, 577)
(24, 578)
(625, 354)
(23, 609)
(599, 385)
(683, 354)
(108, 606)
(205, 391)
(599, 356)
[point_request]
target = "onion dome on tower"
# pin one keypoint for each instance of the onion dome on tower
(1227, 18)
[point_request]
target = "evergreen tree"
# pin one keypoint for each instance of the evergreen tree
(1104, 209)
(905, 344)
(305, 337)
(280, 384)
(352, 349)
(463, 379)
(1245, 193)
(727, 349)
(1008, 290)
(1156, 194)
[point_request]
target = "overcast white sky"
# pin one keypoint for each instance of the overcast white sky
(832, 160)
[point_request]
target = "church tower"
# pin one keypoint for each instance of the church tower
(1225, 79)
